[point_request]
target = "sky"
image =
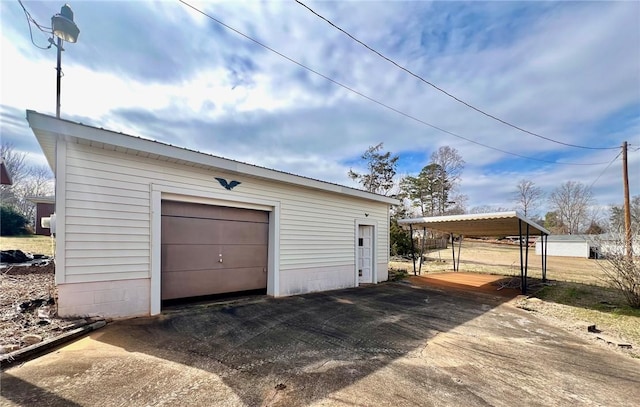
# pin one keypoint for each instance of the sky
(567, 71)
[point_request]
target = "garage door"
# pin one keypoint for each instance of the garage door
(212, 249)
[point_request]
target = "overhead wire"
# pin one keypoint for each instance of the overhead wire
(420, 78)
(605, 169)
(32, 20)
(369, 98)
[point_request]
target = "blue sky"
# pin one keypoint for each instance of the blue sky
(569, 71)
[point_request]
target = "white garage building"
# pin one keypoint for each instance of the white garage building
(139, 222)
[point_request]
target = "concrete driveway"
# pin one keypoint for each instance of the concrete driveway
(385, 345)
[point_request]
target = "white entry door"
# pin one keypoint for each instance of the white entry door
(365, 254)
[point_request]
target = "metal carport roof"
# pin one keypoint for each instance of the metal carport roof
(482, 224)
(489, 225)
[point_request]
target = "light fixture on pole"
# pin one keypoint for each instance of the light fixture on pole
(66, 30)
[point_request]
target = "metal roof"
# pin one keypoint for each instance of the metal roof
(48, 129)
(483, 224)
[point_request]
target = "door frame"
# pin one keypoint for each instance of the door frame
(374, 250)
(165, 192)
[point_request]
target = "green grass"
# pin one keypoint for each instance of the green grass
(397, 274)
(591, 297)
(592, 304)
(34, 244)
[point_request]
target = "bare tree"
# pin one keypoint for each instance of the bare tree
(623, 274)
(620, 270)
(457, 204)
(38, 182)
(16, 165)
(616, 217)
(527, 197)
(487, 209)
(451, 165)
(571, 202)
(382, 169)
(28, 181)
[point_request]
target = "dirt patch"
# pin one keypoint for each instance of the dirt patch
(610, 324)
(27, 306)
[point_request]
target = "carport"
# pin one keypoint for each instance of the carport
(498, 224)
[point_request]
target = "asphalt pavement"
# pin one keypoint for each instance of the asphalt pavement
(391, 344)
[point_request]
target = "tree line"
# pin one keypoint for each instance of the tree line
(435, 191)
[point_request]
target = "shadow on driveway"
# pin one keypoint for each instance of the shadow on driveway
(315, 343)
(389, 344)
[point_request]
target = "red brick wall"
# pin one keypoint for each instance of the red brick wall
(43, 210)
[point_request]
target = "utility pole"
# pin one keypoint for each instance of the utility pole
(58, 76)
(627, 208)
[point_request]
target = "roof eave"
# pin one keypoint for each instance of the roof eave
(41, 123)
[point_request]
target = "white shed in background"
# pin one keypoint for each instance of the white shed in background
(567, 246)
(139, 222)
(614, 243)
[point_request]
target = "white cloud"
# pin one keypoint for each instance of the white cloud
(569, 71)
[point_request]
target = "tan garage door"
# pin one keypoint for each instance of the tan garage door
(212, 249)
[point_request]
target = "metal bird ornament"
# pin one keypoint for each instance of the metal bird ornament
(228, 185)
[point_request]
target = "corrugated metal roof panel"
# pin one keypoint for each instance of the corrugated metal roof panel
(483, 224)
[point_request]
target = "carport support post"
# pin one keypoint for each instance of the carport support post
(526, 260)
(459, 249)
(424, 234)
(546, 255)
(523, 287)
(543, 252)
(413, 249)
(453, 251)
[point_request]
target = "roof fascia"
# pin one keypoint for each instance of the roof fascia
(42, 199)
(457, 218)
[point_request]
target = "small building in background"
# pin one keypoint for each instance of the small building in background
(45, 207)
(613, 244)
(569, 246)
(5, 177)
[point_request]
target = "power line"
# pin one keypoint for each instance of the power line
(444, 91)
(32, 20)
(605, 169)
(46, 30)
(372, 99)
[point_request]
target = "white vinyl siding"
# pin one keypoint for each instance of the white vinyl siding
(108, 214)
(565, 248)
